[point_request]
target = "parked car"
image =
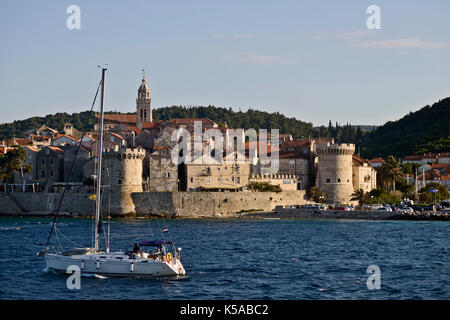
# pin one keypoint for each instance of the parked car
(406, 210)
(430, 207)
(385, 209)
(417, 208)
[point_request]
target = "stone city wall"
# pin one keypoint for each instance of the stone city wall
(174, 204)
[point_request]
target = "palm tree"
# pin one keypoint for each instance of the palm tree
(394, 170)
(359, 196)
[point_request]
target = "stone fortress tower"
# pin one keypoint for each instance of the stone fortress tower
(143, 104)
(123, 172)
(334, 171)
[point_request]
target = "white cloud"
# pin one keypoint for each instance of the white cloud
(347, 35)
(403, 43)
(353, 35)
(259, 59)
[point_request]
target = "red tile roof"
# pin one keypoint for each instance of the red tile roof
(359, 161)
(117, 135)
(19, 141)
(151, 125)
(184, 121)
(5, 149)
(119, 118)
(291, 155)
(32, 148)
(295, 143)
(428, 156)
(56, 149)
(64, 135)
(377, 160)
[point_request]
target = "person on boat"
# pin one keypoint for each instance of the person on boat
(136, 249)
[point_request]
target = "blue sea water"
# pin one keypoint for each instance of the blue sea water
(243, 259)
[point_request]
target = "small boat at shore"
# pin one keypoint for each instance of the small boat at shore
(105, 262)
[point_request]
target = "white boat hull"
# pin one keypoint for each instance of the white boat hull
(114, 264)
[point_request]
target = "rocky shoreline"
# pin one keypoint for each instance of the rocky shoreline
(349, 215)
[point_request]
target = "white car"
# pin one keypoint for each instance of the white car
(406, 210)
(384, 209)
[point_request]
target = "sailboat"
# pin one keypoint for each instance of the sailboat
(135, 263)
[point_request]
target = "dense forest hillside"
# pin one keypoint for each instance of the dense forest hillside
(249, 119)
(19, 128)
(426, 130)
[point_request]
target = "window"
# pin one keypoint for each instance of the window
(52, 173)
(145, 114)
(292, 164)
(328, 180)
(208, 181)
(238, 179)
(119, 181)
(192, 180)
(339, 180)
(43, 174)
(168, 174)
(43, 161)
(52, 161)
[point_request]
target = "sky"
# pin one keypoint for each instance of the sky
(312, 60)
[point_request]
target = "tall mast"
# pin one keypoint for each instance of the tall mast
(99, 165)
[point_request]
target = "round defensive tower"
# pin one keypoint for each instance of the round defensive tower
(334, 171)
(122, 171)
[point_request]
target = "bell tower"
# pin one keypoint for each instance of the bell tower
(143, 104)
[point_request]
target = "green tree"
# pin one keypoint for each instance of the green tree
(360, 196)
(317, 195)
(425, 194)
(390, 171)
(263, 187)
(12, 162)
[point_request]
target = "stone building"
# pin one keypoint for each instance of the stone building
(298, 165)
(163, 173)
(364, 176)
(334, 171)
(49, 167)
(285, 181)
(232, 173)
(122, 171)
(82, 158)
